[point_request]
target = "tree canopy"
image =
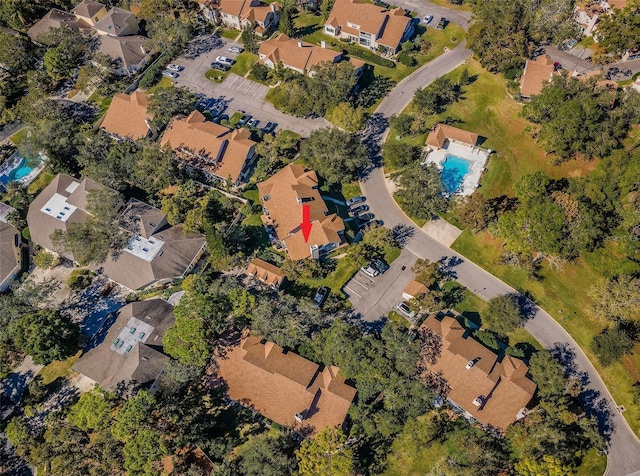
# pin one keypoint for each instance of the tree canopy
(420, 191)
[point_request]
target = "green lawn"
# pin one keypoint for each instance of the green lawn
(40, 182)
(215, 75)
(398, 319)
(100, 101)
(229, 34)
(345, 269)
(58, 369)
(164, 83)
(563, 295)
(593, 464)
(244, 62)
(18, 137)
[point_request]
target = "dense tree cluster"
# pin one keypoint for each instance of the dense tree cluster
(420, 191)
(299, 95)
(582, 117)
(620, 32)
(504, 34)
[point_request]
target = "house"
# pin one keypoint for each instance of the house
(117, 22)
(131, 353)
(62, 203)
(536, 74)
(587, 16)
(413, 290)
(220, 152)
(10, 256)
(89, 12)
(156, 253)
(240, 14)
(56, 19)
(266, 272)
(369, 25)
(492, 391)
(442, 134)
(128, 117)
(282, 196)
(131, 53)
(283, 386)
(298, 55)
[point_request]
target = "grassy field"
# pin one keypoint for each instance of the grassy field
(18, 137)
(164, 83)
(244, 62)
(58, 369)
(100, 101)
(563, 295)
(445, 3)
(229, 34)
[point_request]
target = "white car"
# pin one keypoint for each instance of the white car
(224, 60)
(370, 271)
(170, 74)
(175, 67)
(236, 49)
(427, 19)
(404, 308)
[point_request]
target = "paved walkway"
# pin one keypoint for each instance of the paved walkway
(624, 447)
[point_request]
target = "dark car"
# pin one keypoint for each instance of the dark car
(354, 200)
(220, 66)
(380, 265)
(243, 120)
(371, 224)
(269, 128)
(359, 209)
(557, 66)
(365, 217)
(321, 296)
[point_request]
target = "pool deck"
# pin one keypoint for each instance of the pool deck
(14, 162)
(477, 156)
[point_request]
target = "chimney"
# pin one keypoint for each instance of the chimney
(273, 7)
(478, 401)
(143, 50)
(315, 252)
(323, 44)
(299, 44)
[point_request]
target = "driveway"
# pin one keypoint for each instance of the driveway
(373, 298)
(241, 93)
(624, 447)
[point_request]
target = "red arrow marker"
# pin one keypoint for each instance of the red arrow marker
(305, 226)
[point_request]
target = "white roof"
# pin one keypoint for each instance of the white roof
(58, 207)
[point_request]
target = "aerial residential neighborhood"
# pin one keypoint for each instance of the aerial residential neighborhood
(320, 237)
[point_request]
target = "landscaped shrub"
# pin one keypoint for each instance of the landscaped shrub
(488, 339)
(407, 60)
(45, 260)
(260, 72)
(80, 279)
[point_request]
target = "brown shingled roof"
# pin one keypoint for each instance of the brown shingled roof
(265, 272)
(414, 289)
(127, 116)
(214, 148)
(442, 132)
(280, 384)
(283, 195)
(295, 53)
(536, 74)
(503, 385)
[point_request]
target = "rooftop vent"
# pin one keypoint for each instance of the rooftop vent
(478, 401)
(471, 363)
(299, 417)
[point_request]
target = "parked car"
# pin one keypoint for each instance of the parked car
(253, 122)
(427, 19)
(404, 308)
(354, 200)
(243, 120)
(236, 49)
(365, 217)
(557, 66)
(359, 209)
(170, 74)
(220, 66)
(224, 60)
(370, 271)
(175, 67)
(371, 223)
(321, 296)
(217, 109)
(380, 265)
(269, 128)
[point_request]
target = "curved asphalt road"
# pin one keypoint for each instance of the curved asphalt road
(624, 450)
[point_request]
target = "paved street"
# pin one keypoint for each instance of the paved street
(624, 450)
(242, 94)
(373, 298)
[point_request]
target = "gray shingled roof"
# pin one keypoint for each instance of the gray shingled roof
(9, 260)
(144, 362)
(130, 50)
(118, 22)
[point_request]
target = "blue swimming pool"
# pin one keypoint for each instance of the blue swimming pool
(454, 170)
(18, 171)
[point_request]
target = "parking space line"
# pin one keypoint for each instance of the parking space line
(356, 281)
(352, 291)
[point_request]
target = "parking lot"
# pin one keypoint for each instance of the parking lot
(240, 93)
(374, 297)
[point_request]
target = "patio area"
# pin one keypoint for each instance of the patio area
(465, 181)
